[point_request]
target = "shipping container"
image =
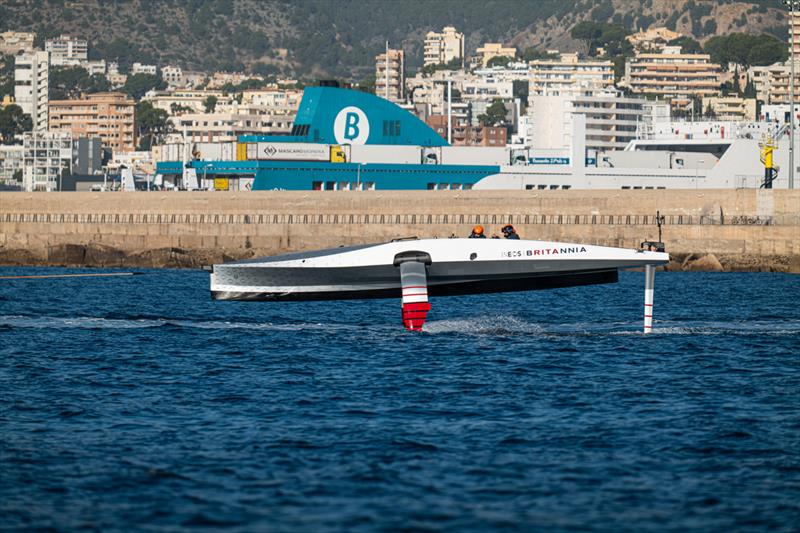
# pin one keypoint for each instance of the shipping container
(473, 155)
(171, 152)
(217, 151)
(396, 154)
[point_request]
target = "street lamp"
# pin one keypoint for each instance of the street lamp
(793, 6)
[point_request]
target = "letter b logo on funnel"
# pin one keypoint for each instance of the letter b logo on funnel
(351, 126)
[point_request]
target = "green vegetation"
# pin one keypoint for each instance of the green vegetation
(495, 114)
(72, 82)
(13, 122)
(499, 61)
(210, 103)
(326, 39)
(137, 85)
(687, 44)
(595, 35)
(532, 54)
(246, 85)
(6, 75)
(453, 64)
(367, 84)
(152, 123)
(746, 50)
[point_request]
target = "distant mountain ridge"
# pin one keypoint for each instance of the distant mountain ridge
(317, 38)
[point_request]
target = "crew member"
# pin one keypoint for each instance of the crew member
(510, 233)
(477, 233)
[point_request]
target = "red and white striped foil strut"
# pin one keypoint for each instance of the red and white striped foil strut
(415, 294)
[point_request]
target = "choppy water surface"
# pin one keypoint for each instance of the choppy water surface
(139, 402)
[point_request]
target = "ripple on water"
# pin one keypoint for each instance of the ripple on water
(141, 401)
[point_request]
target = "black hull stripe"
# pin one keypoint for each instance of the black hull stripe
(539, 282)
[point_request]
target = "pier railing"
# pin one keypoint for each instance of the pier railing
(392, 218)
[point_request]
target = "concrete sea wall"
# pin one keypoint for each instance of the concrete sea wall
(703, 229)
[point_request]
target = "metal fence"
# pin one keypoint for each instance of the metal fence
(386, 218)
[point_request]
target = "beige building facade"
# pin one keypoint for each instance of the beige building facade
(107, 116)
(14, 42)
(390, 75)
(731, 108)
(490, 50)
(673, 75)
(569, 74)
(443, 47)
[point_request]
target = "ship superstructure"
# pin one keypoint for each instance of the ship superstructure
(349, 140)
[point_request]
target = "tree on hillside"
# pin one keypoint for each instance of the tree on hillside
(152, 123)
(137, 85)
(499, 61)
(13, 122)
(453, 64)
(746, 50)
(750, 89)
(609, 36)
(367, 84)
(210, 103)
(6, 75)
(495, 114)
(531, 53)
(687, 44)
(71, 82)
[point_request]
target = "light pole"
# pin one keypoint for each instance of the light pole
(793, 6)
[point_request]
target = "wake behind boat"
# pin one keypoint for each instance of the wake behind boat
(414, 269)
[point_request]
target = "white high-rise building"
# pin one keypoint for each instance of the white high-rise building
(31, 85)
(46, 156)
(67, 51)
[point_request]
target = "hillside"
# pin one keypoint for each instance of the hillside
(314, 38)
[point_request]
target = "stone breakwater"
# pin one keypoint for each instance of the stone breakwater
(752, 230)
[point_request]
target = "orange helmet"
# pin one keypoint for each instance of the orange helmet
(478, 230)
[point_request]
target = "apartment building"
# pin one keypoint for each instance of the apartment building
(14, 42)
(569, 74)
(66, 50)
(390, 75)
(485, 88)
(139, 68)
(673, 75)
(760, 78)
(31, 86)
(611, 119)
(777, 87)
(180, 101)
(443, 47)
(794, 32)
(465, 134)
(46, 155)
(490, 50)
(173, 76)
(653, 38)
(114, 76)
(730, 108)
(11, 157)
(273, 98)
(108, 116)
(227, 127)
(218, 79)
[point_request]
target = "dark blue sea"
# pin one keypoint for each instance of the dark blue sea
(137, 403)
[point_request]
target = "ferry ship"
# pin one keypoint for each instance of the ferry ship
(345, 139)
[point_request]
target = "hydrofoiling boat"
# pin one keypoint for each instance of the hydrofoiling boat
(413, 269)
